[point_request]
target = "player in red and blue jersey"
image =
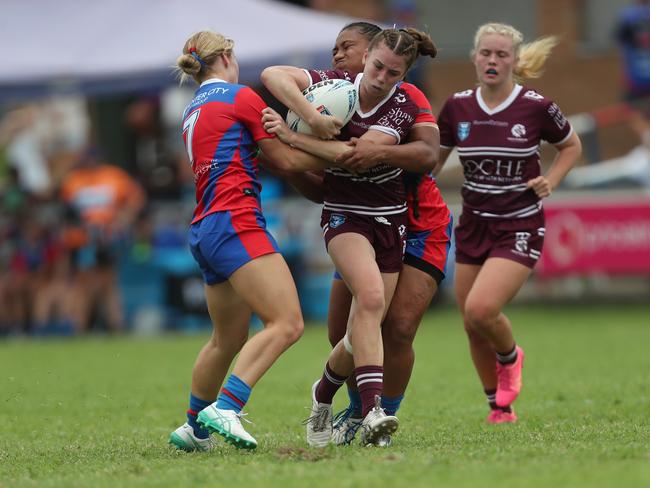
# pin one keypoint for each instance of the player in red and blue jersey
(238, 257)
(364, 216)
(497, 129)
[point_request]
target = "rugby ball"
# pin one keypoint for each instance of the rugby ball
(330, 97)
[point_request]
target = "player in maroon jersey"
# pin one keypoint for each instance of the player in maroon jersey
(239, 259)
(364, 216)
(497, 129)
(428, 238)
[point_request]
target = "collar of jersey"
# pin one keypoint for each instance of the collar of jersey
(364, 115)
(503, 105)
(212, 80)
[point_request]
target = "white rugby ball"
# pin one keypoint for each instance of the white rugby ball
(330, 97)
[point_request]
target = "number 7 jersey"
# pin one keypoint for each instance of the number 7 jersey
(221, 127)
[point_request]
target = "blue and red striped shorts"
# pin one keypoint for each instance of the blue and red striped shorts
(222, 242)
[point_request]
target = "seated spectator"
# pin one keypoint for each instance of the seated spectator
(106, 200)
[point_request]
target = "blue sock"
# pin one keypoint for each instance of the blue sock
(196, 405)
(391, 405)
(233, 395)
(355, 402)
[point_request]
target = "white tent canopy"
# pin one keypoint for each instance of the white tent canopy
(99, 46)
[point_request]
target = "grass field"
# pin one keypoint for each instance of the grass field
(98, 411)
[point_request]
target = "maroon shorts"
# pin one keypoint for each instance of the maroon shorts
(520, 240)
(386, 234)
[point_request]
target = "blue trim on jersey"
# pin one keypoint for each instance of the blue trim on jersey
(224, 153)
(248, 161)
(228, 146)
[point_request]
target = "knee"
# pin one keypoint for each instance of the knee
(371, 301)
(399, 331)
(292, 329)
(479, 315)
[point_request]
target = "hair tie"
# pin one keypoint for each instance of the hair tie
(194, 54)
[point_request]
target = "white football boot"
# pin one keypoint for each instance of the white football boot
(184, 438)
(319, 423)
(345, 427)
(226, 423)
(377, 425)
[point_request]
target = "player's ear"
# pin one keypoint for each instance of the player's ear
(365, 56)
(225, 59)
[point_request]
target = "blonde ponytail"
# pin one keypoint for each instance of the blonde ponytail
(532, 57)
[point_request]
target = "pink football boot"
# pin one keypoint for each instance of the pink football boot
(498, 416)
(509, 380)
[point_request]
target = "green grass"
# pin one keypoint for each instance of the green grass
(98, 411)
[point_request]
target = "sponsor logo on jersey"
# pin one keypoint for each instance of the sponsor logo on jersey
(494, 168)
(398, 116)
(382, 220)
(204, 96)
(463, 130)
(496, 123)
(464, 94)
(518, 130)
(558, 117)
(533, 95)
(336, 220)
(402, 230)
(400, 98)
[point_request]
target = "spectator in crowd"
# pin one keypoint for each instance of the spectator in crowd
(105, 201)
(633, 36)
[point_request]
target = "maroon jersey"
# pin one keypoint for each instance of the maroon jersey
(499, 148)
(379, 190)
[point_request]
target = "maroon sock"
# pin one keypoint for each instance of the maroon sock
(329, 385)
(370, 380)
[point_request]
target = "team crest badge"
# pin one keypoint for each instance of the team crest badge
(518, 130)
(463, 130)
(336, 220)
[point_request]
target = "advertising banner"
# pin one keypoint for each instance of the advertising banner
(609, 235)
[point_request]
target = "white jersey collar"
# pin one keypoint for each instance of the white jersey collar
(363, 115)
(212, 80)
(503, 105)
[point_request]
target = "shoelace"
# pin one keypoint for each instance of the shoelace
(241, 417)
(318, 420)
(238, 416)
(342, 418)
